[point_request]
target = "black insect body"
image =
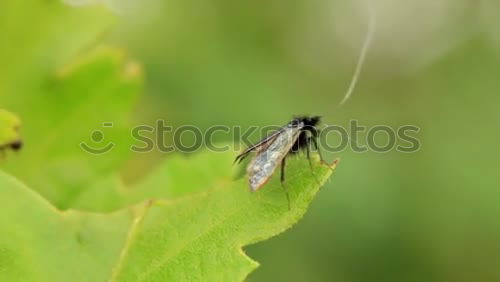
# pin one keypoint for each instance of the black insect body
(299, 134)
(308, 135)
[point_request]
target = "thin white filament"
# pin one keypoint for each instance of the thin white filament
(364, 50)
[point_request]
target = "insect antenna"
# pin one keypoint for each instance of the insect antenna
(362, 55)
(239, 158)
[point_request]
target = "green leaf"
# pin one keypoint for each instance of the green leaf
(39, 243)
(75, 102)
(63, 92)
(38, 36)
(9, 129)
(179, 176)
(197, 236)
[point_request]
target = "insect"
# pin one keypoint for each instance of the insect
(299, 134)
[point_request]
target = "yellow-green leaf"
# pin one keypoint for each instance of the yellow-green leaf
(198, 236)
(75, 102)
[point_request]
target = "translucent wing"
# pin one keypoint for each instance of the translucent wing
(262, 166)
(260, 146)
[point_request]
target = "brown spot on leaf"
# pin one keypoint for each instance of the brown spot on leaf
(16, 145)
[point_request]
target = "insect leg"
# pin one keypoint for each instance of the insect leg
(308, 154)
(315, 142)
(282, 179)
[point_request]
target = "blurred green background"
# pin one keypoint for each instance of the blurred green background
(432, 215)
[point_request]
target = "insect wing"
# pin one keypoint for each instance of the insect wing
(262, 166)
(260, 146)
